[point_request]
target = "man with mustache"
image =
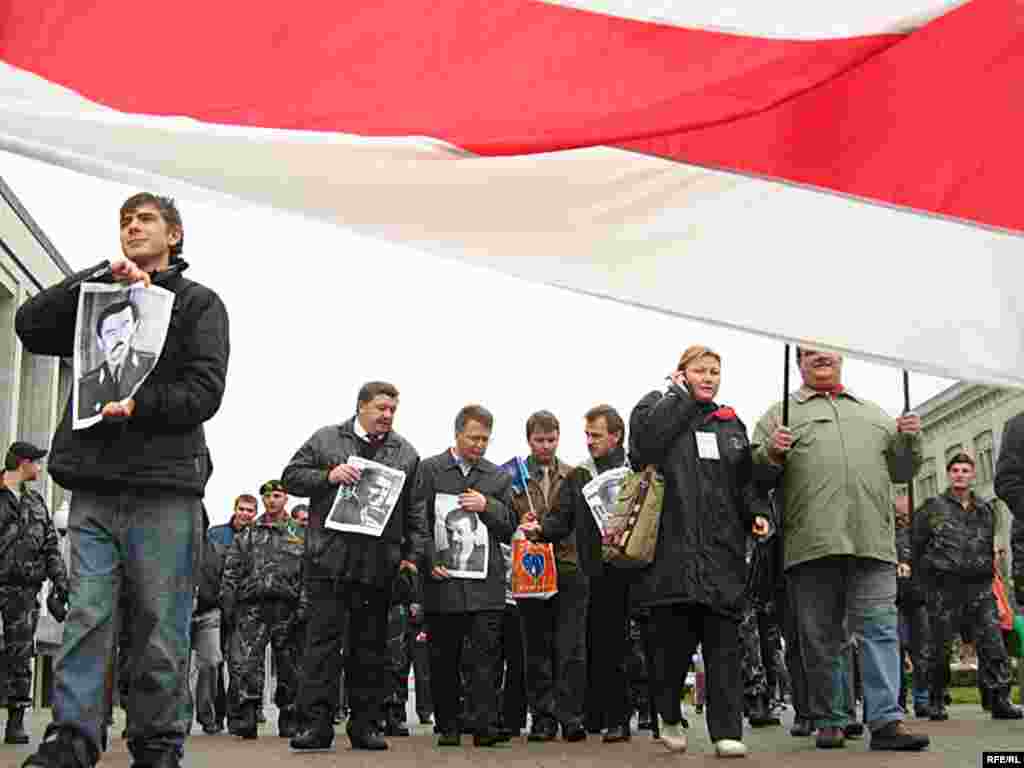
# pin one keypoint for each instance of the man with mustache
(834, 465)
(123, 366)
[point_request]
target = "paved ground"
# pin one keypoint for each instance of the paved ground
(958, 742)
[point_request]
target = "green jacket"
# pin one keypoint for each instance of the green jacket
(837, 476)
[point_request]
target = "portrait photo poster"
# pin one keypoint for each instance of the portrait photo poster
(366, 506)
(462, 540)
(120, 332)
(602, 493)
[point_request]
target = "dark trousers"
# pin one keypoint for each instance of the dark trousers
(19, 615)
(419, 659)
(448, 635)
(554, 636)
(512, 670)
(259, 623)
(794, 660)
(363, 610)
(950, 603)
(609, 622)
(677, 630)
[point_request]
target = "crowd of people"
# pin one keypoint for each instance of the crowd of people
(781, 563)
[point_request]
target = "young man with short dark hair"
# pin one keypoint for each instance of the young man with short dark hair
(138, 478)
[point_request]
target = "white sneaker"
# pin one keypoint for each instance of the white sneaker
(730, 748)
(673, 737)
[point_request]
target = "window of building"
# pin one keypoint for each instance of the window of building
(983, 456)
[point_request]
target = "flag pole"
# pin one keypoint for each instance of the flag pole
(785, 389)
(906, 410)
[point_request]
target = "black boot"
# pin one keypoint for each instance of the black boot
(15, 733)
(365, 736)
(287, 722)
(247, 725)
(395, 725)
(986, 698)
(937, 704)
(317, 737)
(759, 713)
(1003, 708)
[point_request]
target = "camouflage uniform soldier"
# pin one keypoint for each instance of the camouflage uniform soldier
(29, 555)
(953, 540)
(260, 595)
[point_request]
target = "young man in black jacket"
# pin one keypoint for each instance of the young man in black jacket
(138, 478)
(460, 608)
(349, 576)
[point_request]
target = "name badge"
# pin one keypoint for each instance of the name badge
(707, 445)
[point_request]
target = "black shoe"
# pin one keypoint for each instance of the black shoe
(574, 732)
(162, 759)
(15, 732)
(395, 727)
(1003, 708)
(487, 739)
(699, 709)
(287, 723)
(63, 746)
(923, 712)
(854, 731)
(426, 720)
(543, 731)
(759, 714)
(318, 737)
(986, 699)
(449, 739)
(644, 724)
(830, 737)
(939, 714)
(365, 737)
(212, 729)
(802, 728)
(510, 733)
(247, 726)
(616, 735)
(895, 737)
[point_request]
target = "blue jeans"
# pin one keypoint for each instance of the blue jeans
(136, 546)
(839, 595)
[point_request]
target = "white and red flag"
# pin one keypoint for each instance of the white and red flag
(843, 173)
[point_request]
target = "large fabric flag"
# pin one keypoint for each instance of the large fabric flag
(838, 173)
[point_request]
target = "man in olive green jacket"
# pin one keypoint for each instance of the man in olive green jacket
(836, 460)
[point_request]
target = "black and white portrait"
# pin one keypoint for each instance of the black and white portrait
(119, 335)
(462, 541)
(366, 506)
(602, 493)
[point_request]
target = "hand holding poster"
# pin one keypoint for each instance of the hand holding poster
(601, 494)
(463, 545)
(533, 568)
(119, 335)
(366, 506)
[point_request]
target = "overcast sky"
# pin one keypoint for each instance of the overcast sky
(316, 311)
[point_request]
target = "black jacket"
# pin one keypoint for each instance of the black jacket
(163, 444)
(441, 474)
(1009, 481)
(210, 574)
(950, 541)
(339, 555)
(570, 513)
(29, 547)
(707, 513)
(1017, 550)
(264, 562)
